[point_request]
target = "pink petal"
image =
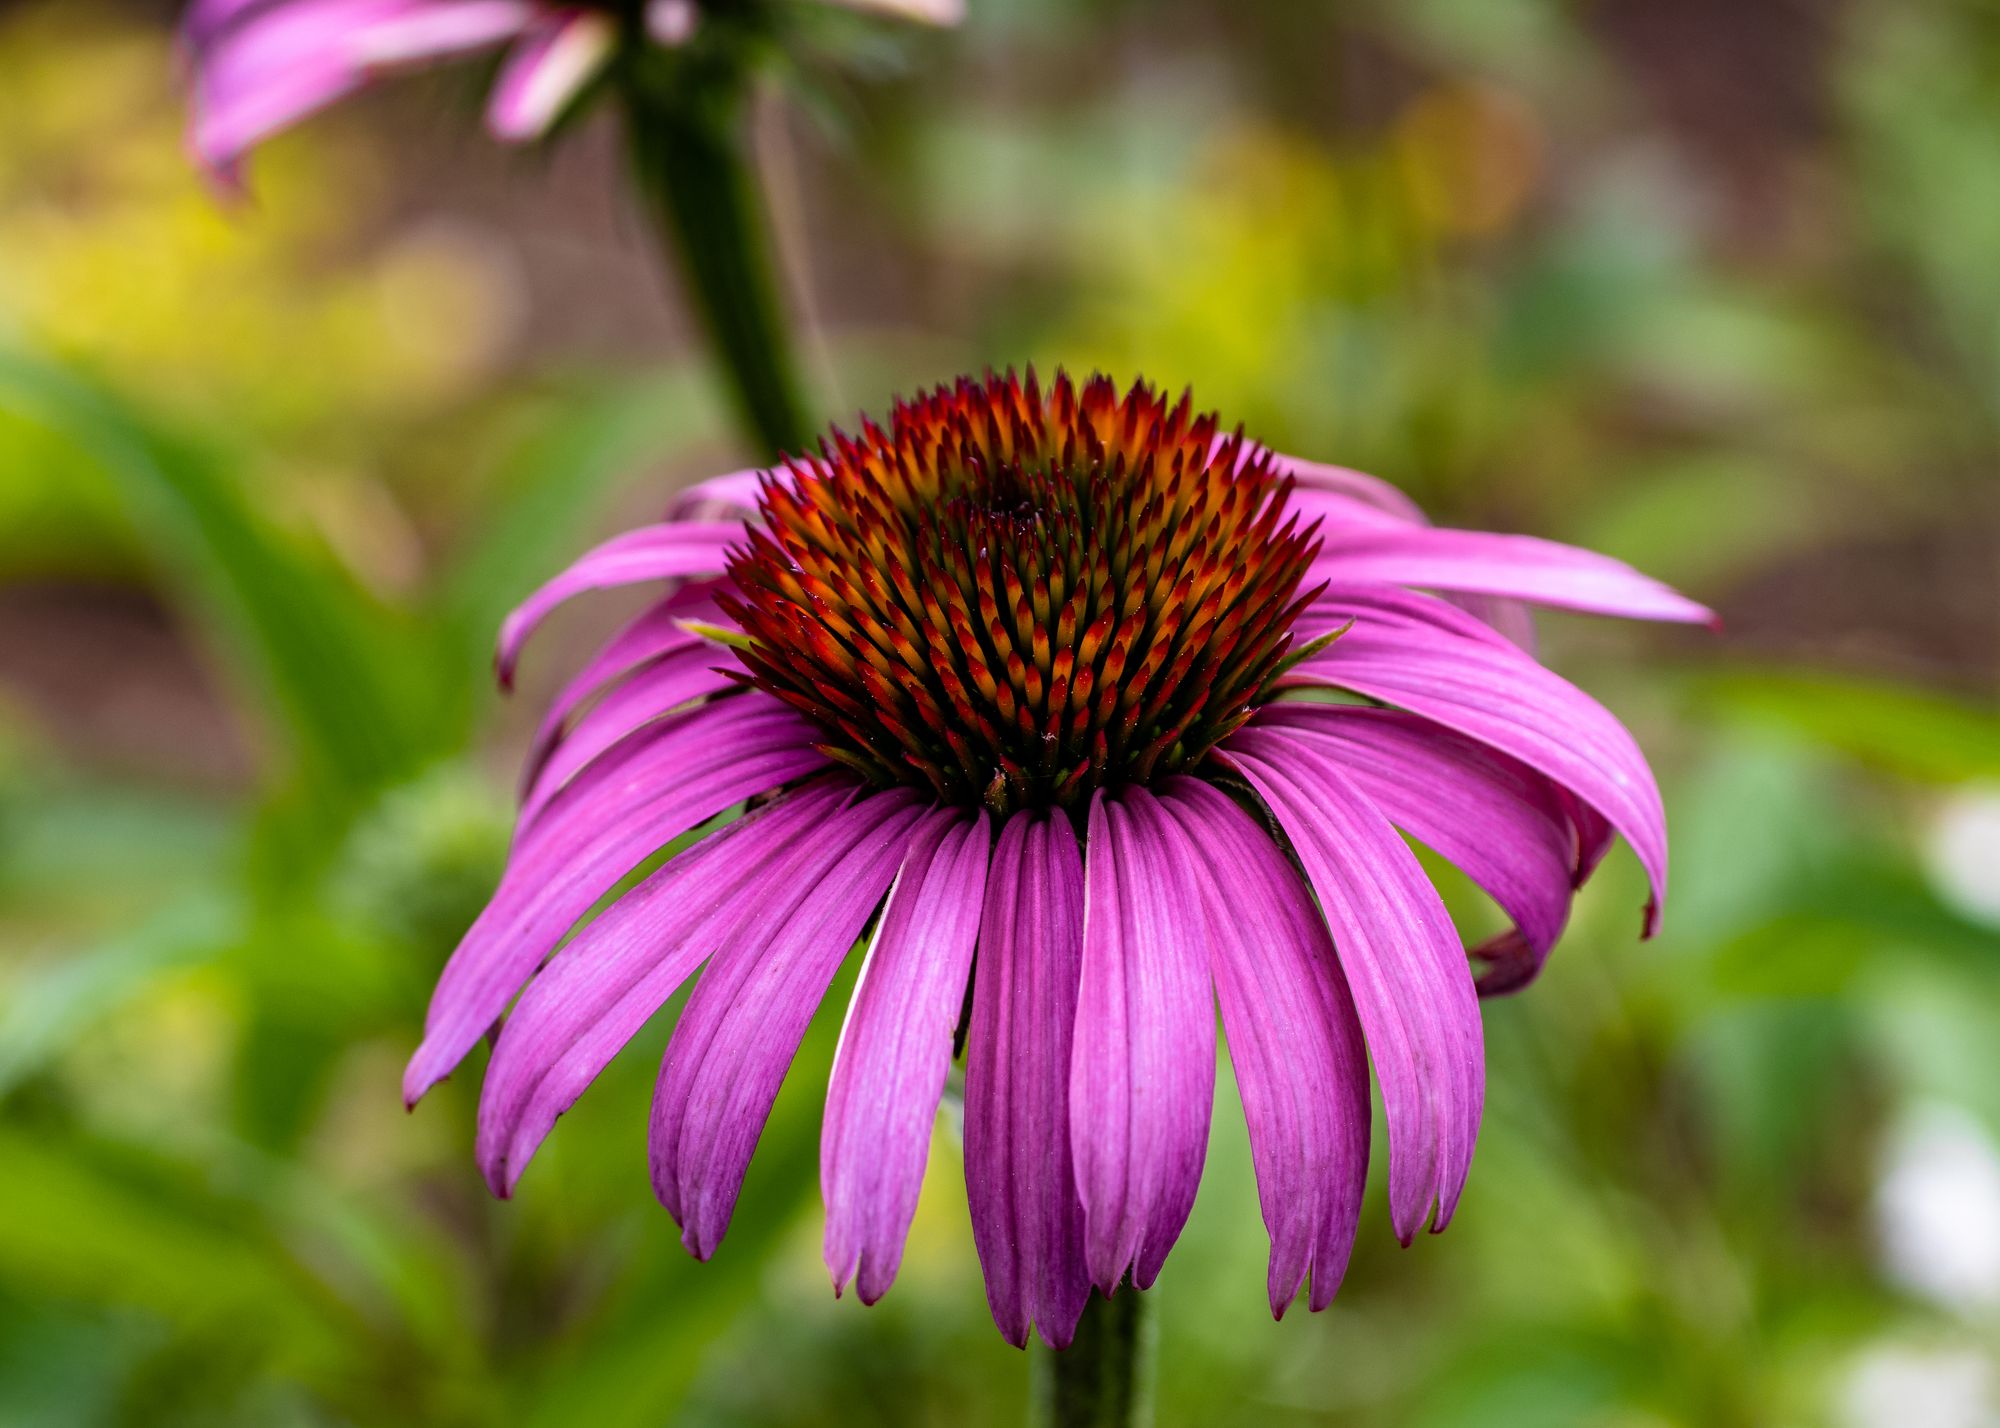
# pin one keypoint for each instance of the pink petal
(1142, 1080)
(1027, 1223)
(1510, 617)
(749, 1012)
(1494, 817)
(659, 630)
(604, 823)
(618, 971)
(1337, 496)
(560, 54)
(929, 12)
(671, 550)
(259, 71)
(666, 683)
(737, 494)
(895, 1051)
(1424, 656)
(1348, 494)
(1404, 965)
(1511, 566)
(672, 22)
(1297, 1048)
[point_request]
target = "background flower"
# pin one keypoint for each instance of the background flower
(260, 66)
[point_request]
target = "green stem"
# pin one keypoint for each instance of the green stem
(685, 133)
(1103, 1379)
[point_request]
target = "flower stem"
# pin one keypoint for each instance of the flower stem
(1103, 1379)
(684, 127)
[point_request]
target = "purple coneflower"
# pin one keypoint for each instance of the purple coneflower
(262, 65)
(1099, 717)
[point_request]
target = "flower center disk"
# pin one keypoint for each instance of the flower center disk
(1014, 597)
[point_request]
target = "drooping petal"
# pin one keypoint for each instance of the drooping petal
(1424, 656)
(1142, 1078)
(670, 550)
(555, 59)
(603, 824)
(660, 629)
(749, 1012)
(895, 1051)
(664, 684)
(1300, 1063)
(260, 69)
(1404, 964)
(1512, 566)
(1503, 824)
(1027, 1222)
(620, 969)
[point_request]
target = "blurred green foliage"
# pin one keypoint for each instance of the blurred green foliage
(1474, 245)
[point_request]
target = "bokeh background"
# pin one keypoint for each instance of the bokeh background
(1714, 286)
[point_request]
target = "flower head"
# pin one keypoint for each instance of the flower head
(1100, 719)
(260, 66)
(1016, 600)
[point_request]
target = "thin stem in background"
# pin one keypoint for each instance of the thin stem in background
(687, 149)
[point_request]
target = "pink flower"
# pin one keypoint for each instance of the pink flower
(1099, 718)
(260, 66)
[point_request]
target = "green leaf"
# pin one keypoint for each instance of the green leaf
(340, 677)
(47, 1013)
(1913, 732)
(93, 1224)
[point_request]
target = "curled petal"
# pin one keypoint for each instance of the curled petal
(1512, 964)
